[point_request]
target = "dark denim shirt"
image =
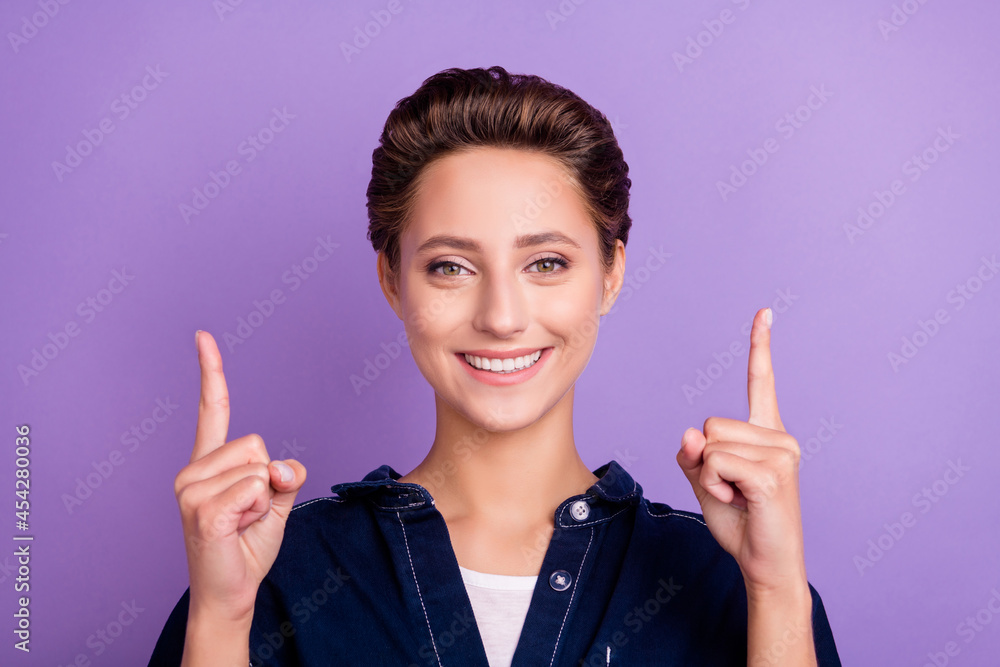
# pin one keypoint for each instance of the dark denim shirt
(370, 578)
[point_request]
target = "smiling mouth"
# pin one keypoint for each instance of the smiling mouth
(503, 366)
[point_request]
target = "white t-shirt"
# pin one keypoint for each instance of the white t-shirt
(500, 603)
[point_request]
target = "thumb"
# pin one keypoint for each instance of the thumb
(287, 478)
(689, 459)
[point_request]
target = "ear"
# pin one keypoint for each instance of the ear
(389, 283)
(613, 280)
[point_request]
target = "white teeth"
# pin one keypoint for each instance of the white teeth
(504, 365)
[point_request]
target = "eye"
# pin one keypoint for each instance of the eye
(549, 264)
(451, 268)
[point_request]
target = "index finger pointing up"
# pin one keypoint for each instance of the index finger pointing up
(760, 375)
(213, 407)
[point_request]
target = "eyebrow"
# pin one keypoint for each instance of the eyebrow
(469, 245)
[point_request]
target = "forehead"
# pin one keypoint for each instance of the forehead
(496, 194)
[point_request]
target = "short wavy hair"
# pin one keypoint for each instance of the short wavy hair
(461, 109)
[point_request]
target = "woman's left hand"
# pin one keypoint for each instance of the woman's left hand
(745, 475)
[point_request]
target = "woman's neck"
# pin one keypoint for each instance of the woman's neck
(498, 491)
(514, 477)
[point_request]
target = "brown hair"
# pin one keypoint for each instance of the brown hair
(458, 109)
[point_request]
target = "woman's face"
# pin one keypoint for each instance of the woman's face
(501, 261)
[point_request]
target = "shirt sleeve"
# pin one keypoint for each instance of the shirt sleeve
(169, 647)
(826, 648)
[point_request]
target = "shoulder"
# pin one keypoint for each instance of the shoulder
(315, 508)
(683, 540)
(664, 522)
(317, 514)
(691, 549)
(324, 527)
(670, 518)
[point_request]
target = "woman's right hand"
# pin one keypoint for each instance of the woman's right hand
(233, 502)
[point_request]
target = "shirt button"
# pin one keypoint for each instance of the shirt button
(580, 510)
(560, 580)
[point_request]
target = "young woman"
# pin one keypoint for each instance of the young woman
(498, 207)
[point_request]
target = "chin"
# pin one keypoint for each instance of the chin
(500, 417)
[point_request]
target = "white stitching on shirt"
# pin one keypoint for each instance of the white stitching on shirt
(573, 595)
(316, 500)
(663, 516)
(402, 507)
(417, 584)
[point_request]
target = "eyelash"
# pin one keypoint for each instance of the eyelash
(557, 260)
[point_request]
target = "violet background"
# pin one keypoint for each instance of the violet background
(680, 128)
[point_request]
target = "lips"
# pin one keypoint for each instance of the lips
(508, 373)
(503, 365)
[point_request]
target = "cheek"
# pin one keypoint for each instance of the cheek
(573, 316)
(430, 316)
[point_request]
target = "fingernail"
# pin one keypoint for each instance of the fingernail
(683, 437)
(264, 515)
(287, 474)
(197, 331)
(767, 317)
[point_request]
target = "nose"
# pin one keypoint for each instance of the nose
(502, 309)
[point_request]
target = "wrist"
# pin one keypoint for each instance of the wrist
(789, 595)
(779, 626)
(203, 614)
(791, 585)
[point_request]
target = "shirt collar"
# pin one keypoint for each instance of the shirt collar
(614, 486)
